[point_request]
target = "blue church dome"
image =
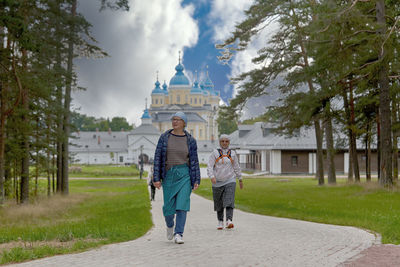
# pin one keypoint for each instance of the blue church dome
(157, 89)
(146, 114)
(165, 88)
(179, 78)
(196, 88)
(208, 84)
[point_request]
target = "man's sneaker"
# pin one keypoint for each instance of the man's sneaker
(178, 239)
(220, 225)
(170, 233)
(229, 224)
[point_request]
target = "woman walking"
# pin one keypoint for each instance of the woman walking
(176, 165)
(223, 169)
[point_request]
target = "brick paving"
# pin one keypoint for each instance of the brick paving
(255, 241)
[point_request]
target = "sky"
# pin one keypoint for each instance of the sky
(147, 40)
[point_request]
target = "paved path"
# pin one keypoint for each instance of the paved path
(255, 241)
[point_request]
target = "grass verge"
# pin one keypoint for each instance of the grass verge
(364, 205)
(104, 171)
(96, 212)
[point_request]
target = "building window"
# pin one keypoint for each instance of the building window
(108, 146)
(195, 100)
(191, 101)
(156, 101)
(178, 98)
(152, 101)
(294, 161)
(191, 132)
(201, 133)
(199, 100)
(121, 158)
(161, 101)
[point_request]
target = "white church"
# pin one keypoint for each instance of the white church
(198, 99)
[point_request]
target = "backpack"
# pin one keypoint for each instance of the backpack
(228, 155)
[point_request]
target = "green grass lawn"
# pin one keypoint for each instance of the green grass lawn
(104, 171)
(96, 212)
(365, 205)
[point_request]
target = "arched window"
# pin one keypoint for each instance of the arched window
(156, 101)
(195, 100)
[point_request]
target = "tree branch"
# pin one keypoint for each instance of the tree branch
(387, 37)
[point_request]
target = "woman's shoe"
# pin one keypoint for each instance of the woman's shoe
(229, 224)
(178, 239)
(170, 233)
(220, 225)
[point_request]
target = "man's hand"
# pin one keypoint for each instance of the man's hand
(213, 180)
(241, 184)
(195, 186)
(157, 184)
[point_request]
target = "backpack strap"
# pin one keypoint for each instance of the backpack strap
(228, 155)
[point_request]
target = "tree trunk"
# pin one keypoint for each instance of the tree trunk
(37, 157)
(7, 178)
(48, 157)
(317, 126)
(350, 177)
(24, 197)
(384, 102)
(25, 150)
(59, 101)
(378, 145)
(395, 140)
(368, 152)
(353, 140)
(349, 132)
(53, 175)
(2, 145)
(320, 154)
(330, 147)
(67, 103)
(16, 182)
(3, 116)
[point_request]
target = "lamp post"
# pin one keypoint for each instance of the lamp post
(141, 161)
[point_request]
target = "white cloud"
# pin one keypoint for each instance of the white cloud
(225, 14)
(140, 42)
